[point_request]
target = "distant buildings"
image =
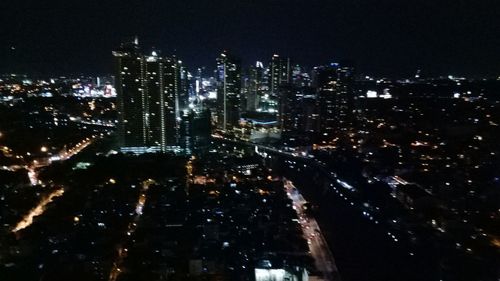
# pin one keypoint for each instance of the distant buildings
(155, 96)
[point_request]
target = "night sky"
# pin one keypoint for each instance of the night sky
(383, 37)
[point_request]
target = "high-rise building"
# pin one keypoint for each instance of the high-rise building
(183, 87)
(255, 86)
(228, 91)
(195, 128)
(334, 88)
(148, 90)
(279, 73)
(132, 105)
(298, 113)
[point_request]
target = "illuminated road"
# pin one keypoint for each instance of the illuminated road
(38, 210)
(318, 247)
(61, 156)
(132, 226)
(64, 155)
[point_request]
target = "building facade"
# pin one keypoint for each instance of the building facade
(228, 76)
(148, 88)
(335, 97)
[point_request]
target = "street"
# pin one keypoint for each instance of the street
(318, 247)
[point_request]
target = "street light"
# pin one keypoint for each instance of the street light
(43, 149)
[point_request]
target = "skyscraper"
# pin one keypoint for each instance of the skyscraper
(132, 106)
(163, 80)
(279, 73)
(254, 86)
(148, 89)
(183, 96)
(228, 91)
(334, 88)
(298, 113)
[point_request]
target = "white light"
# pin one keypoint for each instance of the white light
(371, 94)
(212, 94)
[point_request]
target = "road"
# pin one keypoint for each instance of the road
(317, 244)
(40, 208)
(61, 156)
(318, 247)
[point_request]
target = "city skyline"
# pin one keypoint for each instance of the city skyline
(391, 39)
(250, 140)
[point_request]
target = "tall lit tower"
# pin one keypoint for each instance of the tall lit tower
(255, 86)
(132, 97)
(334, 87)
(228, 91)
(162, 80)
(148, 89)
(279, 73)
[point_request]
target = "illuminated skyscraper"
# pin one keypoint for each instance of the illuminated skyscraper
(183, 96)
(254, 86)
(228, 91)
(162, 86)
(132, 105)
(334, 87)
(279, 73)
(298, 112)
(148, 89)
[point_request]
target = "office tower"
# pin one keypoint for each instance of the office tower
(289, 113)
(195, 128)
(183, 86)
(228, 91)
(168, 94)
(310, 113)
(148, 89)
(298, 112)
(255, 86)
(334, 88)
(162, 76)
(279, 73)
(153, 85)
(132, 106)
(185, 126)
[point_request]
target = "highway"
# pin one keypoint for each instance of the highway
(318, 247)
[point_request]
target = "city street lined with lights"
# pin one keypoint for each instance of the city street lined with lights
(38, 210)
(317, 244)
